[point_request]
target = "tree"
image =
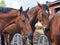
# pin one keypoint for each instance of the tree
(2, 3)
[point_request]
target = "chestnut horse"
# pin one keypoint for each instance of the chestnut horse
(52, 27)
(18, 25)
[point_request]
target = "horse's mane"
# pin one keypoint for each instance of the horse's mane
(32, 9)
(5, 9)
(25, 14)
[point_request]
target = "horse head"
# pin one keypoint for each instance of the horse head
(42, 15)
(25, 22)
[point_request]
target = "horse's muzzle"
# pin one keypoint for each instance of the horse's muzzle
(46, 30)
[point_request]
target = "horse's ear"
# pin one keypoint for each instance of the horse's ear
(27, 10)
(21, 9)
(39, 5)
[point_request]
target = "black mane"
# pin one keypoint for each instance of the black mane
(25, 14)
(5, 9)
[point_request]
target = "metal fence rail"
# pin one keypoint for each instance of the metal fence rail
(43, 40)
(17, 39)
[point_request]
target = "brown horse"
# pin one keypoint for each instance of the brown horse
(52, 26)
(55, 29)
(18, 25)
(43, 16)
(32, 13)
(5, 18)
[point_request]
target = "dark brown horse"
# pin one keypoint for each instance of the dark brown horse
(18, 25)
(52, 26)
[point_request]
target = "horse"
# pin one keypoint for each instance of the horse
(18, 25)
(4, 18)
(55, 27)
(32, 13)
(51, 26)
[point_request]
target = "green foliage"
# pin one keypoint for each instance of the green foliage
(2, 3)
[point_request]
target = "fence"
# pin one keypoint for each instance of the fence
(17, 40)
(43, 40)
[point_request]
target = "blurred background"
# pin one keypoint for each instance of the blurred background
(25, 3)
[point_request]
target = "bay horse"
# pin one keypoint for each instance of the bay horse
(18, 25)
(32, 13)
(5, 19)
(52, 27)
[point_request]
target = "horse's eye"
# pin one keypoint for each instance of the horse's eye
(23, 20)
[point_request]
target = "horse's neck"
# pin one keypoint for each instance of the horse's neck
(32, 13)
(9, 18)
(12, 13)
